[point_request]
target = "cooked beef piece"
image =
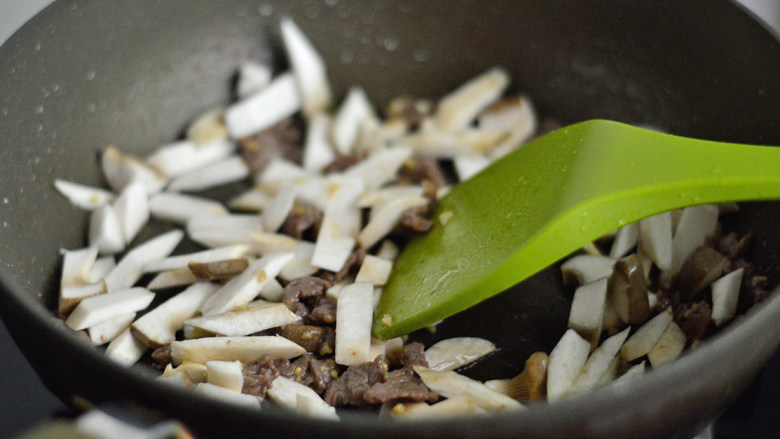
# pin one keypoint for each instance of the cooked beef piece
(258, 376)
(702, 267)
(343, 162)
(162, 357)
(282, 140)
(414, 220)
(734, 247)
(400, 384)
(694, 320)
(323, 311)
(413, 354)
(350, 387)
(418, 170)
(306, 336)
(352, 266)
(302, 219)
(303, 288)
(323, 373)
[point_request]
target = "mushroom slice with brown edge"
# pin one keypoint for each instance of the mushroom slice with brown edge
(598, 365)
(646, 336)
(702, 267)
(451, 384)
(294, 395)
(452, 353)
(205, 256)
(530, 385)
(668, 347)
(566, 361)
(725, 294)
(107, 306)
(254, 317)
(244, 349)
(587, 310)
(627, 290)
(583, 269)
(655, 238)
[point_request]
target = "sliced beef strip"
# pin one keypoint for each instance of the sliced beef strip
(162, 357)
(282, 140)
(400, 384)
(414, 221)
(323, 373)
(312, 338)
(303, 288)
(258, 376)
(350, 387)
(303, 220)
(323, 311)
(418, 170)
(694, 320)
(413, 354)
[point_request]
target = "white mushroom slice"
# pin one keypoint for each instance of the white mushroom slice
(70, 297)
(333, 292)
(229, 170)
(374, 270)
(105, 231)
(130, 268)
(125, 349)
(278, 209)
(309, 69)
(453, 353)
(196, 372)
(463, 404)
(725, 293)
(158, 327)
(646, 336)
(225, 222)
(317, 152)
(566, 361)
(263, 109)
(244, 349)
(633, 372)
(258, 242)
(172, 278)
(515, 115)
(85, 197)
(289, 393)
(387, 194)
(184, 156)
(208, 128)
(272, 291)
(225, 374)
(108, 330)
(431, 142)
(103, 307)
(300, 264)
(132, 210)
(376, 349)
(178, 379)
(696, 223)
(340, 225)
(76, 266)
(380, 167)
(120, 170)
(587, 310)
(353, 323)
(625, 239)
(346, 125)
(385, 218)
(178, 208)
(583, 269)
(597, 367)
(255, 317)
(469, 165)
(243, 288)
(252, 200)
(394, 348)
(205, 256)
(284, 171)
(668, 347)
(388, 250)
(459, 108)
(226, 395)
(451, 384)
(252, 77)
(655, 238)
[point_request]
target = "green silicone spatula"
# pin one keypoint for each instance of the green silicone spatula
(551, 197)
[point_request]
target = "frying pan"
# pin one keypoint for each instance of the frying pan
(83, 75)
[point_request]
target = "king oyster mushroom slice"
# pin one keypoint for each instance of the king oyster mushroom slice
(628, 291)
(459, 405)
(696, 224)
(125, 349)
(451, 384)
(76, 266)
(208, 128)
(252, 77)
(725, 294)
(668, 347)
(566, 361)
(229, 170)
(380, 167)
(70, 297)
(646, 336)
(205, 256)
(583, 269)
(300, 264)
(184, 156)
(253, 200)
(385, 217)
(340, 225)
(217, 270)
(279, 208)
(244, 349)
(108, 330)
(354, 311)
(309, 68)
(530, 384)
(158, 327)
(107, 306)
(196, 372)
(388, 250)
(172, 278)
(655, 238)
(469, 165)
(105, 231)
(635, 371)
(459, 108)
(587, 310)
(132, 210)
(597, 367)
(224, 222)
(353, 111)
(431, 142)
(517, 116)
(384, 195)
(226, 374)
(254, 317)
(130, 268)
(227, 395)
(121, 170)
(452, 353)
(258, 242)
(702, 267)
(317, 151)
(294, 395)
(374, 270)
(243, 288)
(626, 238)
(281, 171)
(178, 208)
(84, 197)
(265, 108)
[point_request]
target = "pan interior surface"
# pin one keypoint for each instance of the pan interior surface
(84, 75)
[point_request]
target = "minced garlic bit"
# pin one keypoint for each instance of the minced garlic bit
(387, 320)
(445, 217)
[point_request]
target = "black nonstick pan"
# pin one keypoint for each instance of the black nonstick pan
(83, 75)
